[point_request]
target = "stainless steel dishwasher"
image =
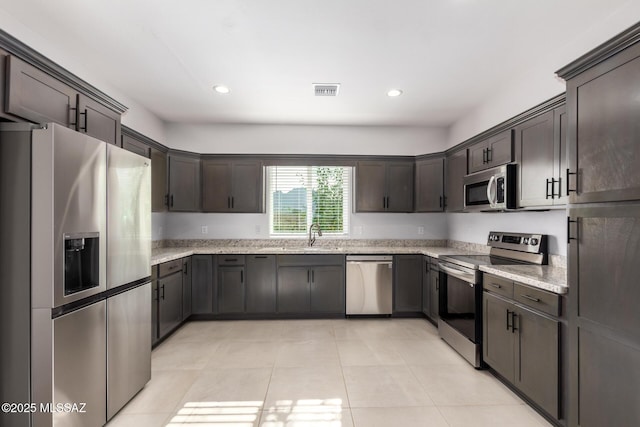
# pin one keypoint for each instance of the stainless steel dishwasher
(369, 284)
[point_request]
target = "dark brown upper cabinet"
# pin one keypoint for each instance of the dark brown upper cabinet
(384, 186)
(540, 151)
(494, 151)
(131, 143)
(145, 147)
(604, 130)
(38, 97)
(184, 183)
(159, 182)
(454, 184)
(430, 185)
(232, 186)
(98, 121)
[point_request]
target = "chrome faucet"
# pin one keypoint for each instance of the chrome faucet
(312, 240)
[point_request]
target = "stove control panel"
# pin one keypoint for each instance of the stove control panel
(533, 243)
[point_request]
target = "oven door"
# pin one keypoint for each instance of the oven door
(460, 301)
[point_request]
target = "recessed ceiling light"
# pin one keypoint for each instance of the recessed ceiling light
(394, 92)
(221, 89)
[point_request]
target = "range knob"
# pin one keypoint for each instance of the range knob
(534, 241)
(525, 240)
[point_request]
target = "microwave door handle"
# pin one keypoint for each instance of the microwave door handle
(491, 194)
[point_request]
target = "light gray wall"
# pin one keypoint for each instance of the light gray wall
(467, 227)
(178, 225)
(533, 85)
(475, 227)
(298, 139)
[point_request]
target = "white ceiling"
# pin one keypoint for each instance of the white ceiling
(446, 55)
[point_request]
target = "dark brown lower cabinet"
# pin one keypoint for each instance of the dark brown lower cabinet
(169, 303)
(327, 289)
(294, 287)
(202, 284)
(231, 289)
(186, 288)
(260, 287)
(407, 270)
(604, 316)
(523, 347)
(311, 284)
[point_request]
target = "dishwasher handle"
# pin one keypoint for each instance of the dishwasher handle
(380, 259)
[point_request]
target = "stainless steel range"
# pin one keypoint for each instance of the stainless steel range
(460, 299)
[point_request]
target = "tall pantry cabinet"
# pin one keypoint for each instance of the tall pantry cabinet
(603, 185)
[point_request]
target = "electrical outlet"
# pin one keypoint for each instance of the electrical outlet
(204, 229)
(421, 230)
(257, 229)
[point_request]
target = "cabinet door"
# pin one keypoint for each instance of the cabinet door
(560, 131)
(36, 96)
(202, 284)
(407, 296)
(247, 189)
(430, 185)
(130, 143)
(98, 121)
(231, 289)
(456, 170)
(604, 130)
(426, 287)
(327, 289)
(260, 285)
(170, 307)
(184, 183)
(478, 157)
(186, 288)
(159, 192)
(371, 187)
(604, 338)
(498, 338)
(537, 355)
(434, 297)
(495, 151)
(216, 186)
(400, 181)
(535, 154)
(500, 149)
(294, 290)
(155, 300)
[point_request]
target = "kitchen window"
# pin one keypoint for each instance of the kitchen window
(299, 196)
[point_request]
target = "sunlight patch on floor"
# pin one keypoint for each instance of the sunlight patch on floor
(285, 413)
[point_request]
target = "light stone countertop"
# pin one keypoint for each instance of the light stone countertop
(545, 277)
(161, 255)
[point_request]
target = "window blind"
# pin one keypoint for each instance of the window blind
(299, 196)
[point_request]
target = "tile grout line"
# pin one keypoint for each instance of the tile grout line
(344, 381)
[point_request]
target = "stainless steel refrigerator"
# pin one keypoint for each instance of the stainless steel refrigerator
(61, 315)
(128, 276)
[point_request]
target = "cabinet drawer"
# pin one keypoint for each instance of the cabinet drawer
(170, 267)
(230, 259)
(541, 300)
(497, 285)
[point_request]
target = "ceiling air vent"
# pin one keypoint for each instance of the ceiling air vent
(326, 89)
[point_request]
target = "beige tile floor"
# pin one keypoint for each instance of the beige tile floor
(318, 373)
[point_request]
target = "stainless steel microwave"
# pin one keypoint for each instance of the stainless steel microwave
(491, 190)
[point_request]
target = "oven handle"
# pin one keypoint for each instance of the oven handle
(460, 274)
